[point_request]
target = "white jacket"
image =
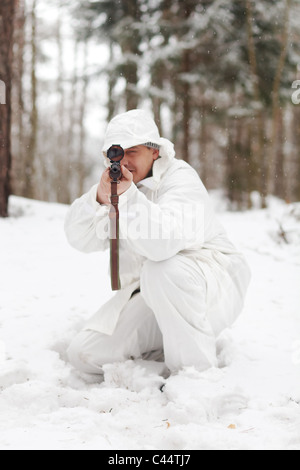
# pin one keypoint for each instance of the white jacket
(154, 215)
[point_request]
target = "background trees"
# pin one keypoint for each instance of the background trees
(221, 72)
(216, 74)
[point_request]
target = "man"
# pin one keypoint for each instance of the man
(182, 280)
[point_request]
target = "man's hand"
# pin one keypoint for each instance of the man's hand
(104, 188)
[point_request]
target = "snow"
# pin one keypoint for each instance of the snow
(47, 292)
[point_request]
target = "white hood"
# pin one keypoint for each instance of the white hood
(136, 127)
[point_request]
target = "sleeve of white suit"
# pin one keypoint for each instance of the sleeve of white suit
(86, 223)
(175, 222)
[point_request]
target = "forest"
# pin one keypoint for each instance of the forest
(221, 78)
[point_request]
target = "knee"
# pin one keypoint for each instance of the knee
(172, 275)
(155, 271)
(172, 269)
(158, 275)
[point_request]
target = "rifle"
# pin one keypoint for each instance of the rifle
(115, 154)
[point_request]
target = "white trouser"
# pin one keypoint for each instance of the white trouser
(168, 314)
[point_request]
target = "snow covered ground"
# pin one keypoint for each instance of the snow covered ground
(48, 290)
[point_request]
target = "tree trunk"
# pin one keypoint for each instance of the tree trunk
(187, 9)
(19, 136)
(130, 48)
(29, 190)
(186, 109)
(260, 154)
(82, 135)
(271, 176)
(203, 141)
(7, 12)
(279, 166)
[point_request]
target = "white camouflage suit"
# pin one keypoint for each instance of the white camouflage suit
(192, 280)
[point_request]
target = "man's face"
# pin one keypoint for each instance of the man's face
(139, 160)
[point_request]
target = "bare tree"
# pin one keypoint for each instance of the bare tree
(7, 13)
